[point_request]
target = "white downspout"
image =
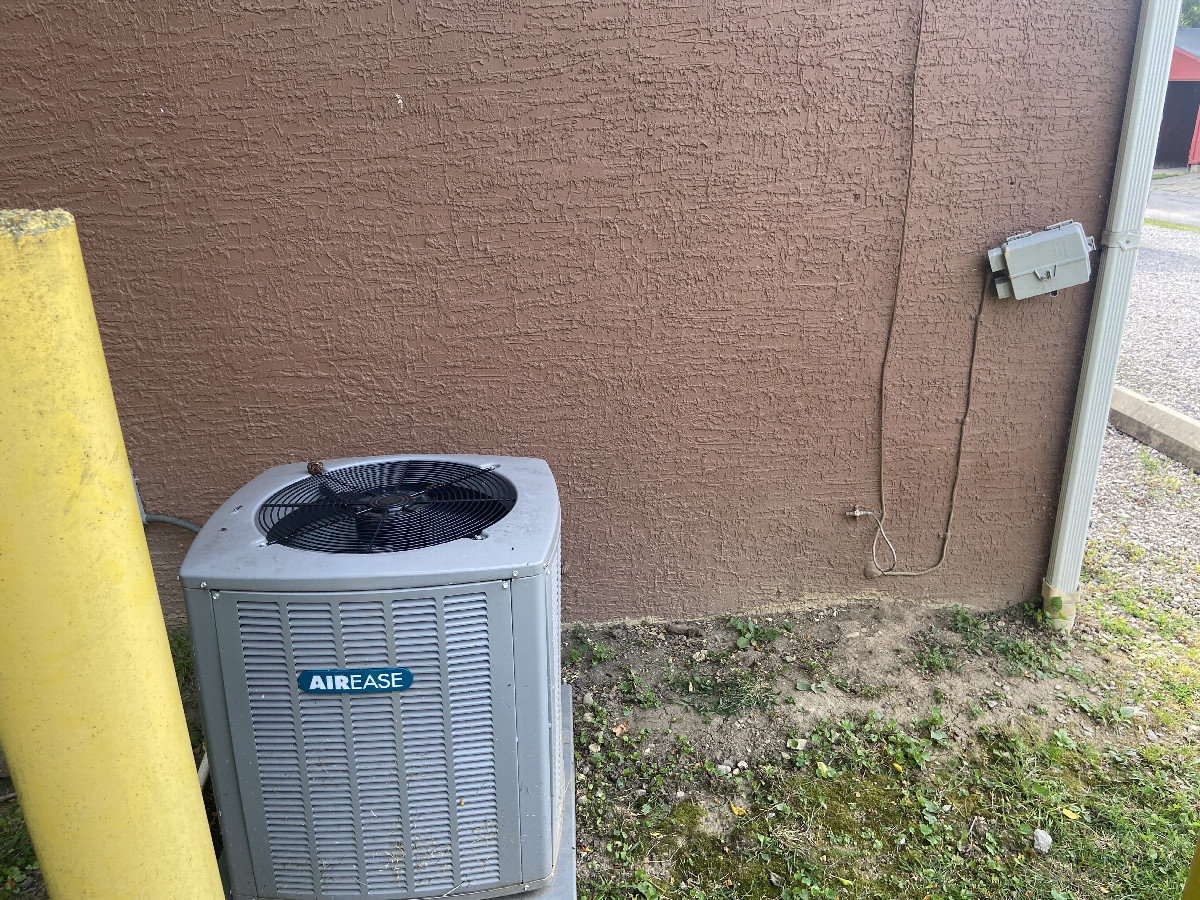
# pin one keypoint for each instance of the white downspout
(1127, 207)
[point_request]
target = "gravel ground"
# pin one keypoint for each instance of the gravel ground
(1147, 501)
(1144, 500)
(1160, 354)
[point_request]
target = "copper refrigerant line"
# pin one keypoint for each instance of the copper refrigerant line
(875, 569)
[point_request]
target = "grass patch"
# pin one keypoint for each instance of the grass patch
(1119, 627)
(17, 860)
(1096, 557)
(181, 655)
(858, 688)
(740, 677)
(180, 641)
(724, 691)
(872, 810)
(1178, 682)
(1035, 654)
(1131, 611)
(1163, 223)
(1103, 711)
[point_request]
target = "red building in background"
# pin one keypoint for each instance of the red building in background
(1179, 135)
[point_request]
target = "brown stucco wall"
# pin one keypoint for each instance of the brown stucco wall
(656, 245)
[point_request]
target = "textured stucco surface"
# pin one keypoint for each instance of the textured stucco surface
(656, 245)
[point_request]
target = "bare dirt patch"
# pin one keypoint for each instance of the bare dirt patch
(898, 659)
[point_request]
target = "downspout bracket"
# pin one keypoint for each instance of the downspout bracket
(1121, 240)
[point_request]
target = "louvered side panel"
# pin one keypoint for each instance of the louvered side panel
(426, 760)
(468, 666)
(275, 743)
(326, 753)
(376, 751)
(555, 589)
(389, 795)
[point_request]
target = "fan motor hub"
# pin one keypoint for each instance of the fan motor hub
(390, 501)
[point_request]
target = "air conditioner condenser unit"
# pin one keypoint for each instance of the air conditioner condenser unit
(376, 644)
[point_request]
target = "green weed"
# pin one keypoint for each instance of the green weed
(634, 691)
(1149, 461)
(751, 634)
(933, 658)
(595, 653)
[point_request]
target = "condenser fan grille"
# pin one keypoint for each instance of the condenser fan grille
(386, 507)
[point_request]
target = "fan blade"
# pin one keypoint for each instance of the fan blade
(461, 478)
(330, 492)
(375, 534)
(306, 517)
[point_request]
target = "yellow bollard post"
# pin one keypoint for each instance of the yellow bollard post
(90, 715)
(1191, 887)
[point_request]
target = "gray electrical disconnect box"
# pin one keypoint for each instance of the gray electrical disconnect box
(1042, 262)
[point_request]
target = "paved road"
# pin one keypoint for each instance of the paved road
(1160, 353)
(1175, 199)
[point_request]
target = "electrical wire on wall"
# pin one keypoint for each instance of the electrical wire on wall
(858, 512)
(880, 534)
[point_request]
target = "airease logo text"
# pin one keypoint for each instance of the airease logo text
(354, 681)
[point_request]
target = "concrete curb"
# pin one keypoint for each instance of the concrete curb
(1167, 431)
